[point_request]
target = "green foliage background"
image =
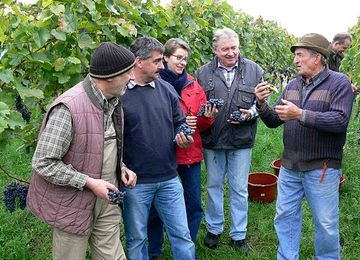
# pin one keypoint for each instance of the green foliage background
(45, 48)
(351, 63)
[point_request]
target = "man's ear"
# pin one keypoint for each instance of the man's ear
(138, 62)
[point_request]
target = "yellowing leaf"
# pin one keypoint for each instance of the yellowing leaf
(59, 64)
(46, 3)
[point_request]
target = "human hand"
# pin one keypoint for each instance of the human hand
(128, 177)
(100, 188)
(210, 110)
(262, 92)
(355, 89)
(183, 140)
(191, 121)
(239, 116)
(288, 111)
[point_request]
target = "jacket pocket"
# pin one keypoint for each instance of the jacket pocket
(244, 96)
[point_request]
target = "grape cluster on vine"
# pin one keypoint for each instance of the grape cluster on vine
(12, 191)
(116, 197)
(237, 116)
(26, 115)
(213, 101)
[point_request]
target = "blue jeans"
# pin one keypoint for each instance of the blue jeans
(236, 164)
(191, 180)
(168, 200)
(323, 199)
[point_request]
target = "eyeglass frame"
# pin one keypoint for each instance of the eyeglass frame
(180, 58)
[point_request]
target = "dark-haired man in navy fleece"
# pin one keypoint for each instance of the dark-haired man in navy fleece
(315, 108)
(152, 115)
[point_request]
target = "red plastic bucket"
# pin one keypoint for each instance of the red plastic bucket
(262, 186)
(276, 166)
(342, 180)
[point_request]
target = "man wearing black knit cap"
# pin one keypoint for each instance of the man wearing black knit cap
(315, 109)
(78, 159)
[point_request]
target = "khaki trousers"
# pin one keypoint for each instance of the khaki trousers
(105, 236)
(104, 239)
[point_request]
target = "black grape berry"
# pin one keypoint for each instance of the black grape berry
(116, 197)
(237, 116)
(13, 191)
(213, 101)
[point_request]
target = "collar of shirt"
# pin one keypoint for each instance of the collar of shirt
(227, 69)
(104, 103)
(314, 80)
(229, 73)
(132, 84)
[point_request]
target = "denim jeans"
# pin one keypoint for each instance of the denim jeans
(236, 165)
(323, 199)
(168, 200)
(190, 176)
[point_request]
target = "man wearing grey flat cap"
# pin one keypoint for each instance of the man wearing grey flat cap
(315, 109)
(78, 160)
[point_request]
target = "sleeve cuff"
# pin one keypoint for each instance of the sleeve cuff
(79, 180)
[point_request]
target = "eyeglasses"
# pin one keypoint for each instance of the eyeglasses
(180, 58)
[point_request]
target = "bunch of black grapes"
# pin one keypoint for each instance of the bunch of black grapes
(116, 197)
(213, 101)
(20, 106)
(185, 129)
(12, 191)
(237, 116)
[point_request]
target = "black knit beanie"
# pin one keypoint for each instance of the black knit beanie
(110, 60)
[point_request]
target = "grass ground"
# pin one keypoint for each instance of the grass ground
(22, 236)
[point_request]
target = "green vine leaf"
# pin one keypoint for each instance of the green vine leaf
(41, 37)
(58, 9)
(3, 125)
(29, 92)
(85, 41)
(6, 76)
(73, 60)
(4, 109)
(60, 35)
(110, 6)
(89, 4)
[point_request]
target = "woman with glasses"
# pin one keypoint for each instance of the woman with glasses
(191, 97)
